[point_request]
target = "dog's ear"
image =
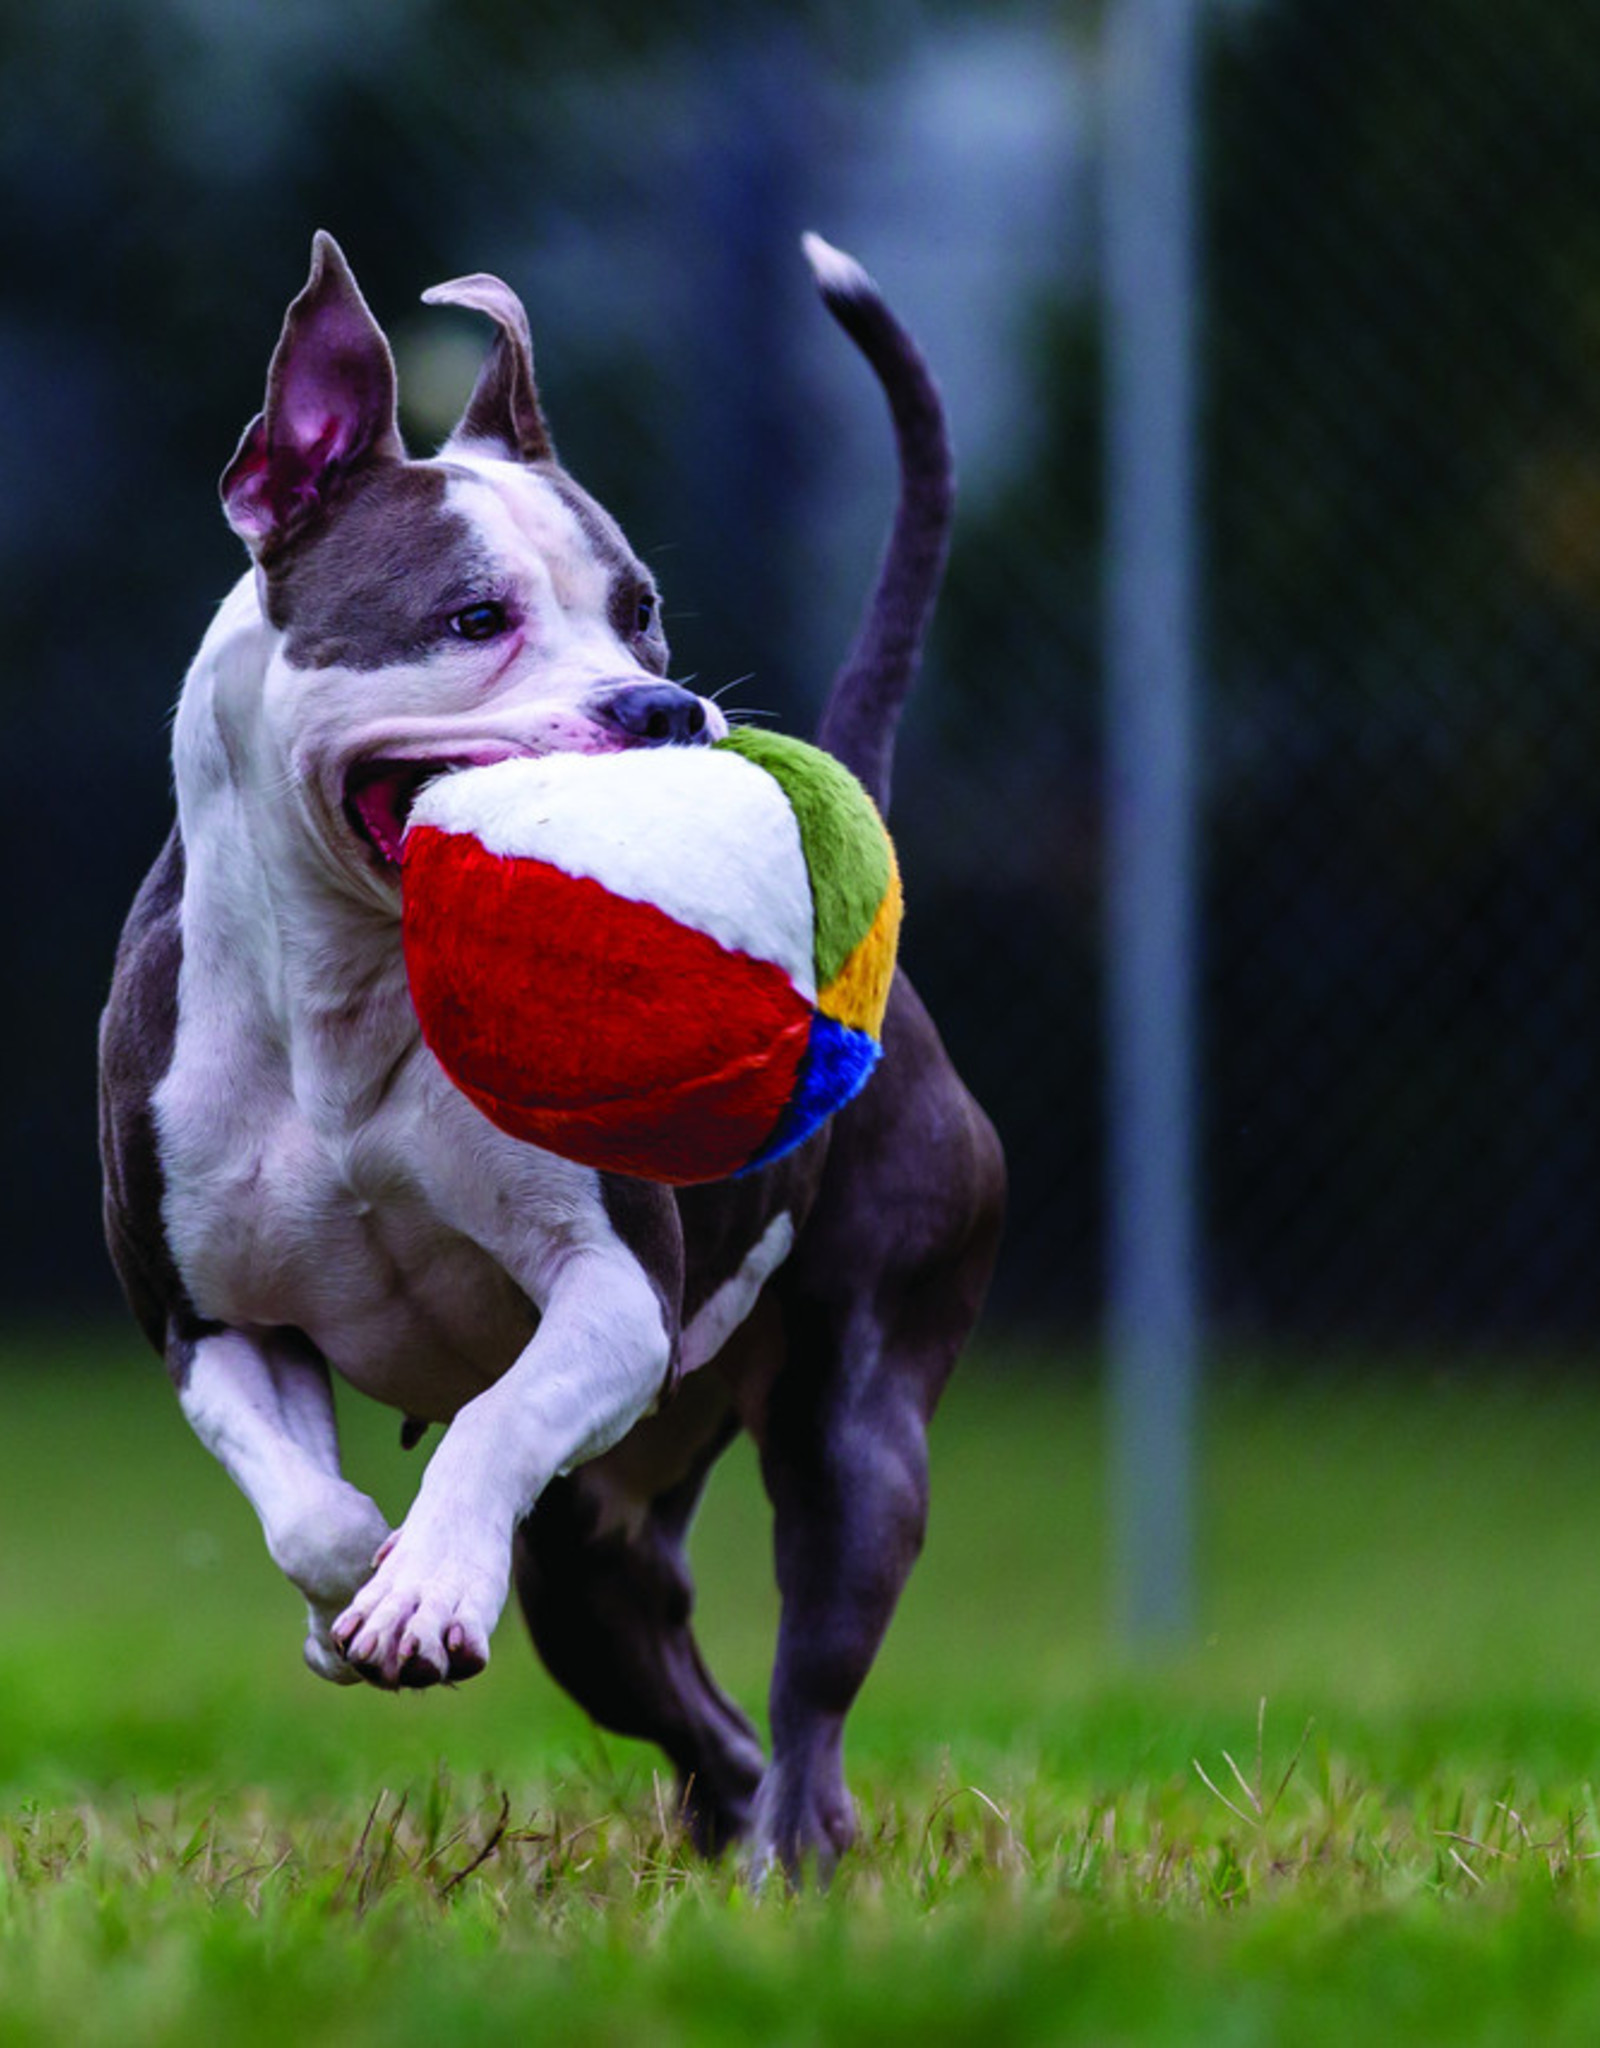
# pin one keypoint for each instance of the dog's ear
(330, 407)
(504, 407)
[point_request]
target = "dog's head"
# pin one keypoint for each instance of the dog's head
(424, 615)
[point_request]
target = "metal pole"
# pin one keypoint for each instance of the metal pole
(1153, 1313)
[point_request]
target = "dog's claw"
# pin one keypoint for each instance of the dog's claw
(465, 1660)
(415, 1672)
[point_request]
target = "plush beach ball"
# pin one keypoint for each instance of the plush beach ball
(669, 962)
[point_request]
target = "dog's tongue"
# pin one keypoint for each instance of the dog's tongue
(382, 804)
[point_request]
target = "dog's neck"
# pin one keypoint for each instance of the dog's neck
(309, 966)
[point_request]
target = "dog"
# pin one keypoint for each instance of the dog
(294, 1191)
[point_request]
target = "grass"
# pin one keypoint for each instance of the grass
(1363, 1799)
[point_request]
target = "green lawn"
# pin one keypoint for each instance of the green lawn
(1361, 1801)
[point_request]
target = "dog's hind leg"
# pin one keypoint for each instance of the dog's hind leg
(878, 1300)
(605, 1588)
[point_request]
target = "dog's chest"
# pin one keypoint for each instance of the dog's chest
(329, 1217)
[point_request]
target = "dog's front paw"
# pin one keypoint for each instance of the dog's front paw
(426, 1614)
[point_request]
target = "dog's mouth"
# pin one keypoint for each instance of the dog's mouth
(378, 796)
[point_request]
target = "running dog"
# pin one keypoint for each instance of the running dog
(293, 1190)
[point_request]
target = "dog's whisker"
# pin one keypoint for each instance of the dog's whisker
(270, 795)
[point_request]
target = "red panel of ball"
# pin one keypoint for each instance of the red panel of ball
(596, 1026)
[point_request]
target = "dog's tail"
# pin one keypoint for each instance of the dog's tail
(863, 708)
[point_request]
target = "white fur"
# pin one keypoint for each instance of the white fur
(836, 272)
(707, 836)
(716, 1319)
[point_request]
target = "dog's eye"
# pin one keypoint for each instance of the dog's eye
(645, 616)
(479, 621)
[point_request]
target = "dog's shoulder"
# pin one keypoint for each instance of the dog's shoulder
(138, 1030)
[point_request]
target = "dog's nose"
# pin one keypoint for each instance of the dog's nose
(654, 714)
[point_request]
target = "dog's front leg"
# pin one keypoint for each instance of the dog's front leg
(597, 1363)
(262, 1404)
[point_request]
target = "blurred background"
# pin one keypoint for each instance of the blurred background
(1397, 440)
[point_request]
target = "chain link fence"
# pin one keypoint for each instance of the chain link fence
(1403, 446)
(1400, 809)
